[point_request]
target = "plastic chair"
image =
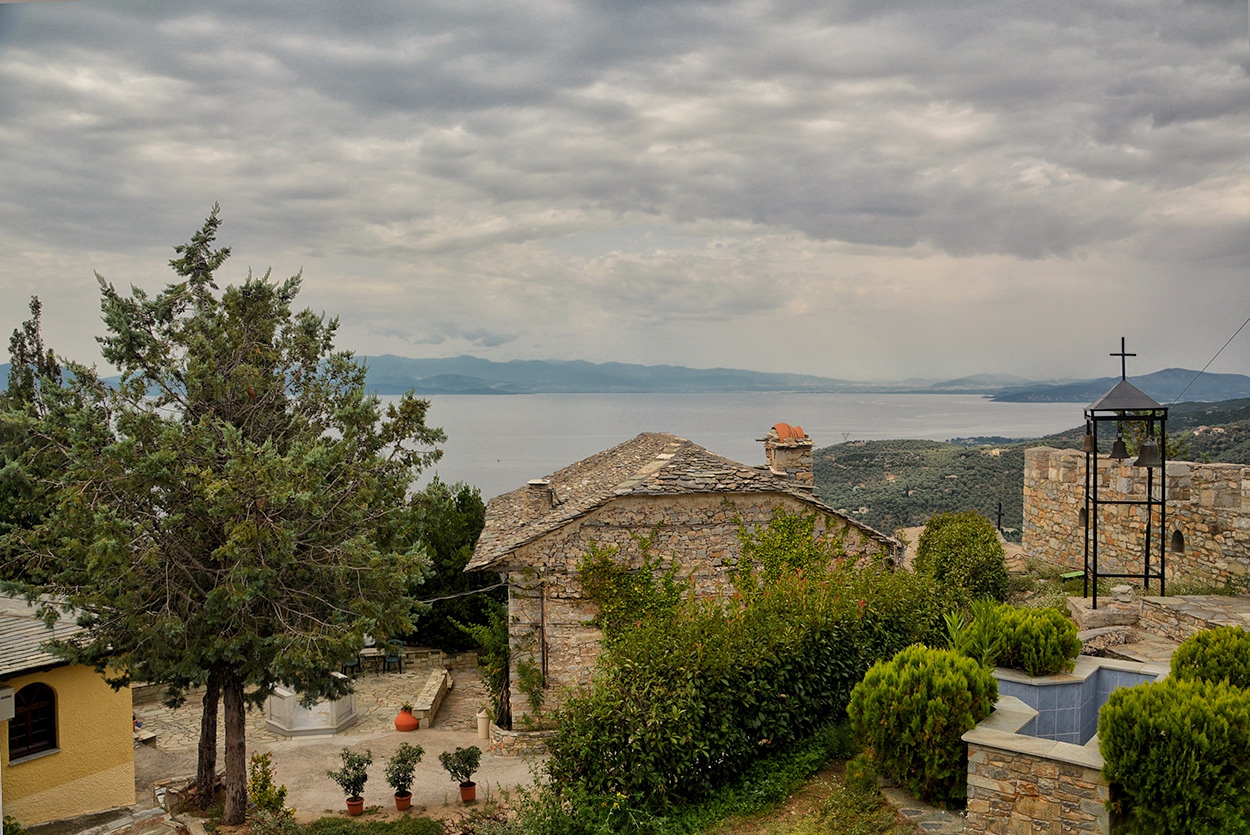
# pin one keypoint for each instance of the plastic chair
(352, 668)
(395, 655)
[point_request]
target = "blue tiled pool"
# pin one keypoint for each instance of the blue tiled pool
(1067, 705)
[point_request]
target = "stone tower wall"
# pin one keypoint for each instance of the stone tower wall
(1209, 504)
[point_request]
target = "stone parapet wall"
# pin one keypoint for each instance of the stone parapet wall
(545, 597)
(1020, 784)
(1209, 504)
(1012, 792)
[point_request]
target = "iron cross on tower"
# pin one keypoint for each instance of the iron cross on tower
(1122, 357)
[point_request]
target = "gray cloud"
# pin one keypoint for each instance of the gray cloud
(474, 176)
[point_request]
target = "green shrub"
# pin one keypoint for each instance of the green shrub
(963, 549)
(1219, 654)
(400, 767)
(1176, 756)
(1040, 642)
(911, 712)
(681, 707)
(267, 796)
(979, 635)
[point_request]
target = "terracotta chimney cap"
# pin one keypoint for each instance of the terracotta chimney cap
(786, 432)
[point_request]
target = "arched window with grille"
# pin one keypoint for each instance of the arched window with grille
(32, 730)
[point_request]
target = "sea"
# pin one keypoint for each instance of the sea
(499, 442)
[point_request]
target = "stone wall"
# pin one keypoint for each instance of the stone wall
(1020, 784)
(1011, 792)
(699, 532)
(1208, 504)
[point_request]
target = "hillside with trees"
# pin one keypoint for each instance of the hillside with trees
(901, 483)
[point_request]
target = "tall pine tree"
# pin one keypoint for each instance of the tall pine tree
(249, 519)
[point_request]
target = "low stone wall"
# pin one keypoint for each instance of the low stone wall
(518, 743)
(1158, 618)
(1208, 504)
(425, 706)
(1019, 784)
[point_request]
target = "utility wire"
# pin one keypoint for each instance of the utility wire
(462, 594)
(1208, 365)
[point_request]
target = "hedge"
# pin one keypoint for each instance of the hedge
(681, 707)
(1177, 756)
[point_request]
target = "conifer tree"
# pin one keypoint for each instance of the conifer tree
(249, 519)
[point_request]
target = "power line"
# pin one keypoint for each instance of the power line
(1208, 365)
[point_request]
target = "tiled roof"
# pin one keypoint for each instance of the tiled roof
(22, 634)
(652, 464)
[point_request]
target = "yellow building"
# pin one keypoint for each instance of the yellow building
(68, 748)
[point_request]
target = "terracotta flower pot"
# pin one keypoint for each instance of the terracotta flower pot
(468, 792)
(405, 721)
(403, 801)
(355, 806)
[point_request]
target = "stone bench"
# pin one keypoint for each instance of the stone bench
(426, 705)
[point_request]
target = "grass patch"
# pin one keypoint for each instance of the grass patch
(399, 826)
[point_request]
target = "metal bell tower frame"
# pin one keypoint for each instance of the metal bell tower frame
(1125, 404)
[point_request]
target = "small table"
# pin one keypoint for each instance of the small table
(372, 656)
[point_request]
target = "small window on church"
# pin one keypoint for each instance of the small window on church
(1178, 542)
(32, 730)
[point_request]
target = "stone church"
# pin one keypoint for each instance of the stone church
(691, 498)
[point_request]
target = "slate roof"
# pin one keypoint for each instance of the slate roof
(1124, 395)
(652, 464)
(22, 634)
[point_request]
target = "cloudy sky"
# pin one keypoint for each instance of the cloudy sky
(864, 189)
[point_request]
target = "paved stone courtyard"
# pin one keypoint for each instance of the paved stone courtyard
(301, 763)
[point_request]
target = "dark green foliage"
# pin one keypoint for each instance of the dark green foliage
(1177, 756)
(963, 549)
(1218, 654)
(398, 826)
(450, 519)
(765, 783)
(353, 774)
(680, 708)
(461, 763)
(400, 767)
(235, 512)
(911, 712)
(1040, 642)
(492, 659)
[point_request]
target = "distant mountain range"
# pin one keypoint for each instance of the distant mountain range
(1165, 386)
(389, 374)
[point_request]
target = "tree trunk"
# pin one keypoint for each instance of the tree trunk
(236, 759)
(206, 768)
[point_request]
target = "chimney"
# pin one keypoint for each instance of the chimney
(539, 495)
(789, 454)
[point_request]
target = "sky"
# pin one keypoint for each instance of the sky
(859, 189)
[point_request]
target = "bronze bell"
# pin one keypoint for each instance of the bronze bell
(1148, 455)
(1118, 450)
(1088, 446)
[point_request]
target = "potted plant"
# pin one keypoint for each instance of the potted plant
(405, 721)
(399, 773)
(461, 764)
(352, 778)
